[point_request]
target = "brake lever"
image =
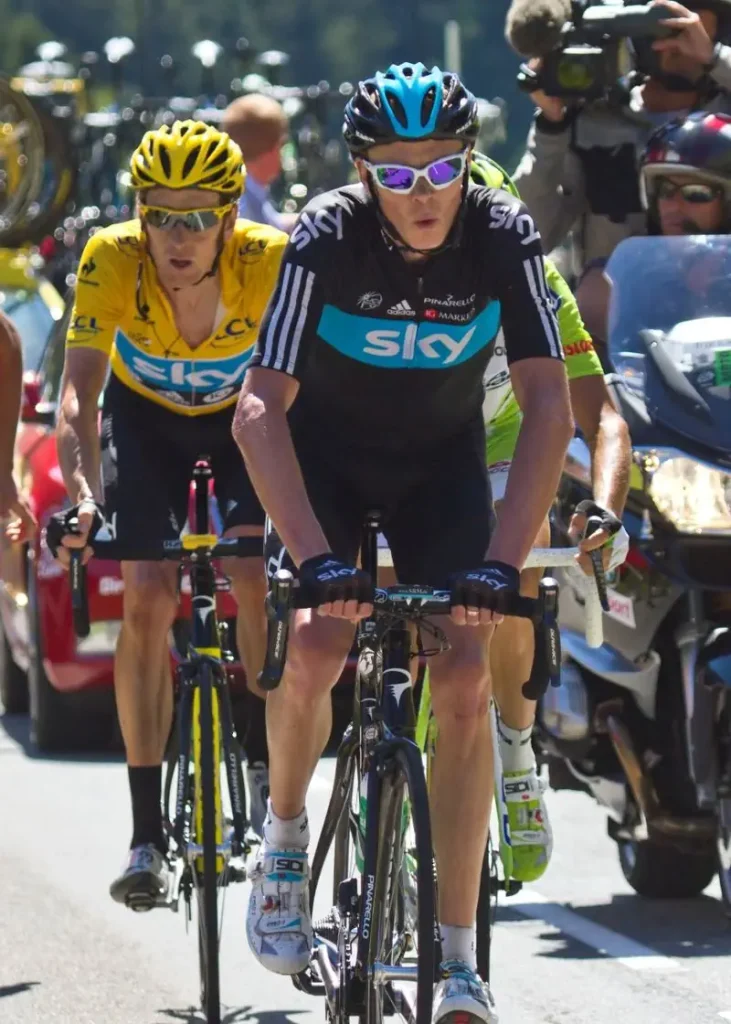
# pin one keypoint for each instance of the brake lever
(597, 564)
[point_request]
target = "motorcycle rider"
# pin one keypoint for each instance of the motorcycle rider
(685, 187)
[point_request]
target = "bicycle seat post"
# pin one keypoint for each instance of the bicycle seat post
(369, 545)
(202, 474)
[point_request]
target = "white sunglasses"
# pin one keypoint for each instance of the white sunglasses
(400, 178)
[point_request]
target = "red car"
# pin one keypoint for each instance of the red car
(66, 683)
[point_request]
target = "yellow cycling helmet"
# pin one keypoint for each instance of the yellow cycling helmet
(189, 154)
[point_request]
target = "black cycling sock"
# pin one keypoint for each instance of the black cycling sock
(145, 785)
(255, 746)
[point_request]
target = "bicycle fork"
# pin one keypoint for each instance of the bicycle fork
(202, 671)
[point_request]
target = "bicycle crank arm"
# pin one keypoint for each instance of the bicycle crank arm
(330, 980)
(393, 972)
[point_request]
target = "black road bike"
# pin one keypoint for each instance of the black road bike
(380, 940)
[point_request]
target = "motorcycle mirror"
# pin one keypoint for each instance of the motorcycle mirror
(117, 48)
(51, 50)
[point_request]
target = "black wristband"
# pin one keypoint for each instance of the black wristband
(548, 127)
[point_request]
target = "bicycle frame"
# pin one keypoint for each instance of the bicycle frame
(204, 668)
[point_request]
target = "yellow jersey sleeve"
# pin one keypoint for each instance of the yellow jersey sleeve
(100, 295)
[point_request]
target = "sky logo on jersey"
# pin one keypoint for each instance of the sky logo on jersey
(408, 345)
(184, 376)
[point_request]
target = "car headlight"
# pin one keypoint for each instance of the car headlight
(694, 497)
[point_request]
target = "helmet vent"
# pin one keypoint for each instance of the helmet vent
(218, 159)
(397, 110)
(427, 105)
(190, 161)
(164, 158)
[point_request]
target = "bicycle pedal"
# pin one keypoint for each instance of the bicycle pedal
(142, 902)
(512, 887)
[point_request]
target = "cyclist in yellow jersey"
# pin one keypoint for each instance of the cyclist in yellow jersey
(172, 302)
(512, 648)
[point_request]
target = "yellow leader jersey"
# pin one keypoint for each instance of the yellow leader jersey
(122, 309)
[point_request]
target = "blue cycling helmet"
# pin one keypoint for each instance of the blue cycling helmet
(407, 103)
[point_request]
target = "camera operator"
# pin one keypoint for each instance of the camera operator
(580, 166)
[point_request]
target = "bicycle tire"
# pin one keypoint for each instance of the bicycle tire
(208, 951)
(407, 783)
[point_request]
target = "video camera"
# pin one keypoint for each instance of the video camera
(591, 56)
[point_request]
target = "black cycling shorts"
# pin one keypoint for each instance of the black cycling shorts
(148, 454)
(436, 511)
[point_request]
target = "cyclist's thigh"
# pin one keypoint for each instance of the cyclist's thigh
(238, 503)
(145, 476)
(443, 524)
(319, 645)
(336, 508)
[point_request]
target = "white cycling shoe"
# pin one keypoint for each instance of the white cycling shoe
(461, 997)
(145, 879)
(278, 923)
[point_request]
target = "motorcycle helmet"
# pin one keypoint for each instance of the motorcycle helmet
(700, 145)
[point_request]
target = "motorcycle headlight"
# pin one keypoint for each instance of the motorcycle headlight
(694, 497)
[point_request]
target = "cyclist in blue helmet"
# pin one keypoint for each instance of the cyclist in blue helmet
(386, 117)
(366, 392)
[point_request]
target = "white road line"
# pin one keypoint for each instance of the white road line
(726, 1014)
(611, 944)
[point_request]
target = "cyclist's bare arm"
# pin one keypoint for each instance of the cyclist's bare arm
(11, 373)
(77, 433)
(607, 436)
(262, 433)
(541, 390)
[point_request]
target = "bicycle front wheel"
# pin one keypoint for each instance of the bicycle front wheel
(206, 746)
(401, 966)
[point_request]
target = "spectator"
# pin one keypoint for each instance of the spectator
(580, 166)
(259, 125)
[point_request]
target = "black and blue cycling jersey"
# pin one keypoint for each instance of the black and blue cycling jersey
(389, 353)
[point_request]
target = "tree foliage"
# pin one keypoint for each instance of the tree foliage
(326, 39)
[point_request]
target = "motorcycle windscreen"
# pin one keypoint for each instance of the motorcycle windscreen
(670, 331)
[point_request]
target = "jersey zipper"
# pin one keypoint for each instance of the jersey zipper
(420, 296)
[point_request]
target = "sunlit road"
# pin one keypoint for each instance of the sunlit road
(578, 948)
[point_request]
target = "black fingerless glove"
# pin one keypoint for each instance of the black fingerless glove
(325, 579)
(475, 587)
(59, 525)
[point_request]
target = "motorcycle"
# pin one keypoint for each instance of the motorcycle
(643, 724)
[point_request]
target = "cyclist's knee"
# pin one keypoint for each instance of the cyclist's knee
(460, 683)
(150, 598)
(317, 651)
(248, 580)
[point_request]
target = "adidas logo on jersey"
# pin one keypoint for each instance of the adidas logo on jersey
(401, 309)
